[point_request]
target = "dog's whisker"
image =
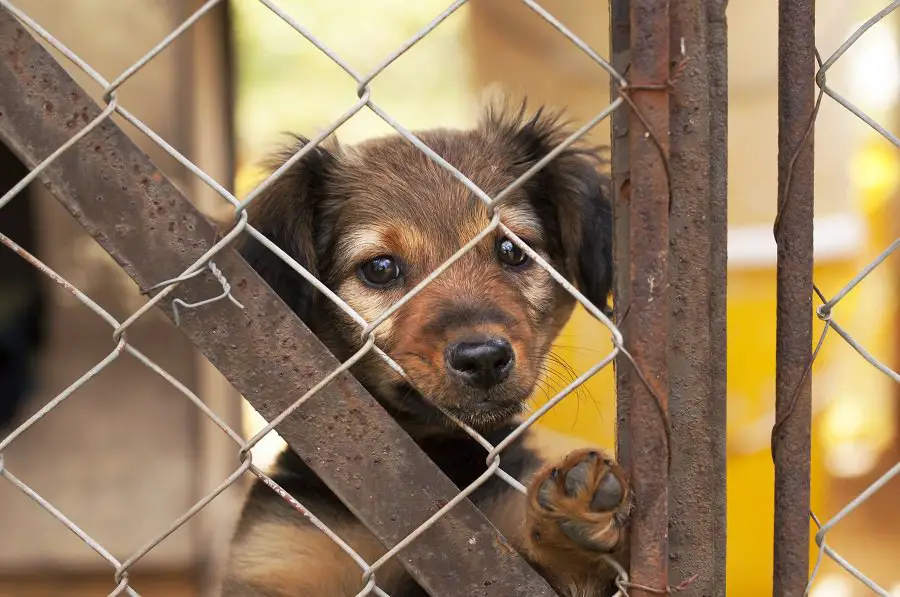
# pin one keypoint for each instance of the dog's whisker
(581, 348)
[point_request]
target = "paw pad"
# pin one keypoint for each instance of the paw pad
(580, 475)
(583, 482)
(608, 495)
(583, 502)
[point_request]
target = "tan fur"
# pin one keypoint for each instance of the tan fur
(290, 560)
(342, 207)
(601, 533)
(370, 305)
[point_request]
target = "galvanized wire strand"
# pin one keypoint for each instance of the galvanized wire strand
(122, 587)
(864, 353)
(143, 550)
(862, 115)
(316, 522)
(826, 313)
(58, 45)
(431, 154)
(307, 148)
(121, 569)
(434, 517)
(226, 293)
(393, 56)
(74, 528)
(551, 403)
(309, 393)
(826, 308)
(368, 328)
(245, 456)
(165, 146)
(171, 284)
(31, 176)
(868, 24)
(853, 505)
(821, 79)
(153, 53)
(109, 319)
(565, 144)
(617, 339)
(311, 38)
(75, 386)
(557, 24)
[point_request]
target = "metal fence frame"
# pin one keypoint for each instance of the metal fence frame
(103, 179)
(669, 128)
(798, 108)
(670, 179)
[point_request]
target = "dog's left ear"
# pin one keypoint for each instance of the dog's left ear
(570, 196)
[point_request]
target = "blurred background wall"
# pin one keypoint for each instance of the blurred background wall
(225, 92)
(127, 454)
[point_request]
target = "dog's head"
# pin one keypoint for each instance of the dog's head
(372, 221)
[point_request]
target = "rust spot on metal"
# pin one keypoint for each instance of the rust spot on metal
(642, 246)
(642, 240)
(697, 268)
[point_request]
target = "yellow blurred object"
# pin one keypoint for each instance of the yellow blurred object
(590, 410)
(590, 413)
(751, 384)
(852, 402)
(860, 423)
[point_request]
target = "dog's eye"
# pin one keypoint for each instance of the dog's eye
(380, 271)
(510, 254)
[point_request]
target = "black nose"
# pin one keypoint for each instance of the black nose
(483, 363)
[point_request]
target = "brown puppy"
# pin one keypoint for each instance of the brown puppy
(372, 221)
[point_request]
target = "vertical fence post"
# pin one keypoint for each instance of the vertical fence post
(794, 237)
(620, 51)
(717, 52)
(697, 281)
(645, 196)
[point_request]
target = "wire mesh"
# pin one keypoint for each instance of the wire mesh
(206, 264)
(368, 329)
(827, 312)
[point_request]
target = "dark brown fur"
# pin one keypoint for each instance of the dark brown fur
(339, 208)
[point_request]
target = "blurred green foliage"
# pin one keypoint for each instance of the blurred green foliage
(285, 83)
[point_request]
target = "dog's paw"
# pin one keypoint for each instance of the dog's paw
(581, 504)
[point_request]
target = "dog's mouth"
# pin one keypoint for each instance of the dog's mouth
(486, 416)
(481, 413)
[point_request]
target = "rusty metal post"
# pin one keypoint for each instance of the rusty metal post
(620, 51)
(717, 52)
(794, 237)
(645, 194)
(697, 281)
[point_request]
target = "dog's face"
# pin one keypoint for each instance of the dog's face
(374, 220)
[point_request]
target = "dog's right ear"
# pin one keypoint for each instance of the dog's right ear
(289, 213)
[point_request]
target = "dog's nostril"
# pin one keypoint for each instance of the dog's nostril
(483, 364)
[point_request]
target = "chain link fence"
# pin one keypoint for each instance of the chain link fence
(828, 312)
(216, 268)
(196, 278)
